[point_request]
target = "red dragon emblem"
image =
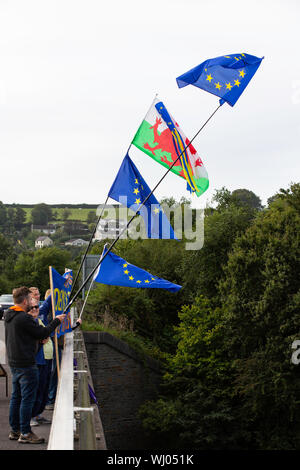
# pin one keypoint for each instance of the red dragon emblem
(164, 142)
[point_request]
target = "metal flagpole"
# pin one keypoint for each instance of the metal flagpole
(91, 239)
(88, 292)
(139, 208)
(86, 297)
(88, 247)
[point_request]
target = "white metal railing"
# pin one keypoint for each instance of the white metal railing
(64, 425)
(62, 428)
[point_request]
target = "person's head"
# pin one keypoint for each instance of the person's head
(48, 292)
(34, 309)
(35, 293)
(22, 297)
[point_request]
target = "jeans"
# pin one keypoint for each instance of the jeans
(43, 388)
(24, 388)
(53, 378)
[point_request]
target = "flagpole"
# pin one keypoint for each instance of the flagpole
(97, 223)
(86, 297)
(91, 239)
(141, 205)
(88, 247)
(175, 161)
(88, 292)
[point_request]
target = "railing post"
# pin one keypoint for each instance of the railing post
(73, 389)
(62, 428)
(87, 433)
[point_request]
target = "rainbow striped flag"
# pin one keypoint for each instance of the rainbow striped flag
(161, 137)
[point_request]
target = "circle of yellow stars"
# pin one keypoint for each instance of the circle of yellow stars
(131, 278)
(228, 85)
(138, 200)
(136, 191)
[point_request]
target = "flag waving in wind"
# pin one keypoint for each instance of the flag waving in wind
(160, 137)
(116, 271)
(130, 188)
(225, 76)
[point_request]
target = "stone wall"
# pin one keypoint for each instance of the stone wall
(122, 382)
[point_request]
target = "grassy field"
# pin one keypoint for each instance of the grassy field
(76, 214)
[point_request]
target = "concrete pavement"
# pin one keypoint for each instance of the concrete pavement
(41, 430)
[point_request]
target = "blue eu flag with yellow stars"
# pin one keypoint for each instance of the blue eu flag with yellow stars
(225, 76)
(130, 189)
(116, 271)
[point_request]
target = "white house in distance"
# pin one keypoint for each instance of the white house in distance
(109, 229)
(76, 242)
(47, 229)
(42, 242)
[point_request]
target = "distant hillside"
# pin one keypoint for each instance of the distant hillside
(53, 206)
(77, 211)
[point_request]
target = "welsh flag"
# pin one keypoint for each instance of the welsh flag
(160, 137)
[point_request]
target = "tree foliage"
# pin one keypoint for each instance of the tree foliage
(153, 311)
(261, 298)
(12, 218)
(41, 214)
(32, 268)
(231, 383)
(226, 335)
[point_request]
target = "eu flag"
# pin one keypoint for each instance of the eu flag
(130, 188)
(225, 76)
(116, 271)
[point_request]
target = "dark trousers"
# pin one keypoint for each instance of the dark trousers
(24, 388)
(43, 388)
(53, 379)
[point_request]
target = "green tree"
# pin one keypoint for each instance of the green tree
(32, 268)
(247, 198)
(261, 298)
(222, 197)
(20, 217)
(239, 197)
(195, 408)
(10, 223)
(7, 260)
(231, 383)
(41, 214)
(3, 216)
(91, 217)
(154, 311)
(202, 269)
(66, 213)
(5, 248)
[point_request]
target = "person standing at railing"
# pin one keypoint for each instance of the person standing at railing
(43, 358)
(22, 334)
(46, 316)
(60, 346)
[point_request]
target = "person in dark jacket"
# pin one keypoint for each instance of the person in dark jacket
(43, 359)
(22, 336)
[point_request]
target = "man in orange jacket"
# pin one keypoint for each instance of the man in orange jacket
(22, 336)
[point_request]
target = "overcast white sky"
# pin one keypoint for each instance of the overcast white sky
(78, 76)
